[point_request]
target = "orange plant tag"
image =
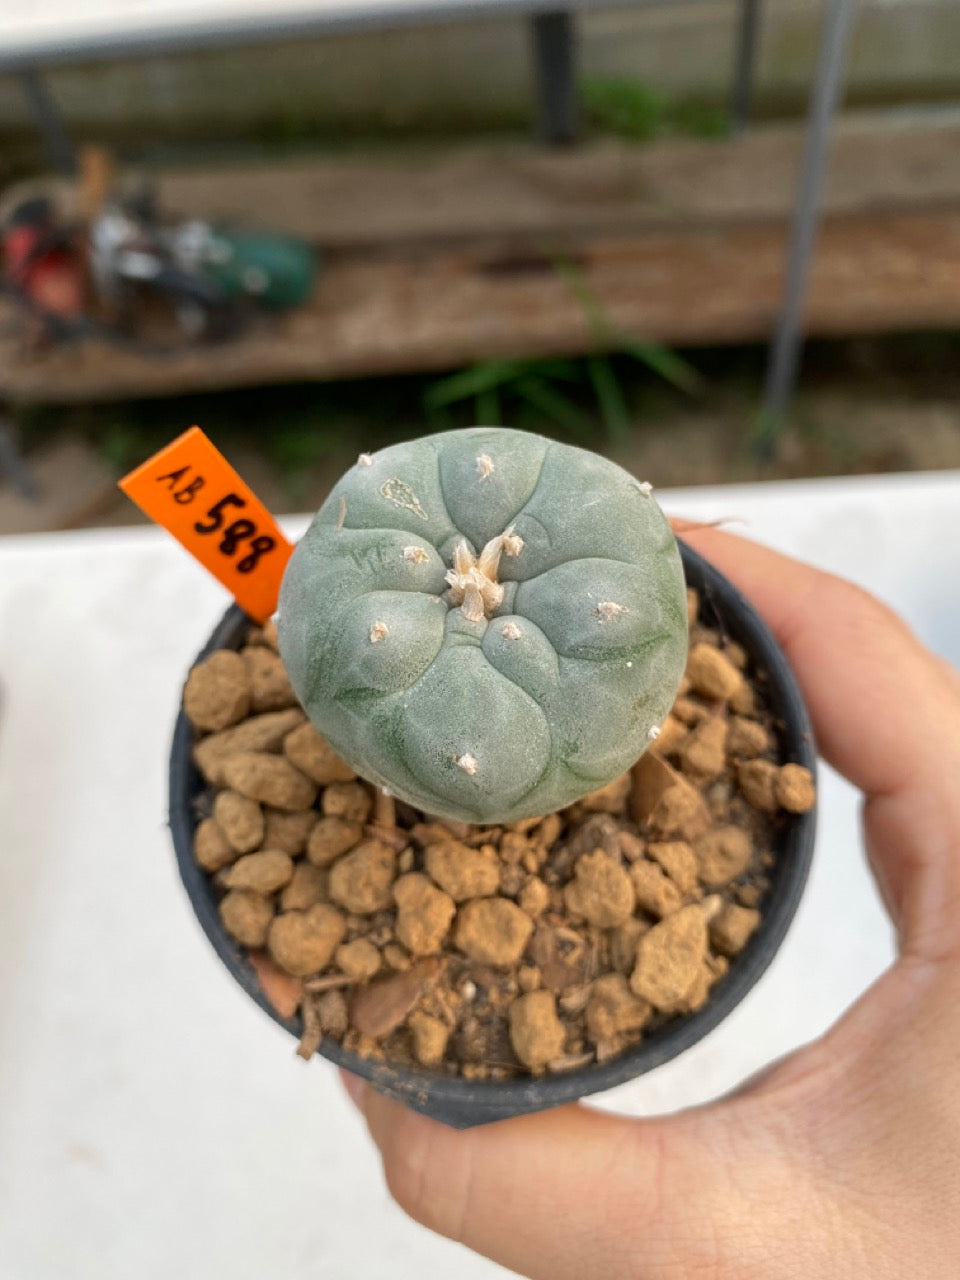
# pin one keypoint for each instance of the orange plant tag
(192, 491)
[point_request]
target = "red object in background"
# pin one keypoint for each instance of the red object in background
(40, 264)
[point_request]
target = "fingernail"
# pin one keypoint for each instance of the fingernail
(355, 1087)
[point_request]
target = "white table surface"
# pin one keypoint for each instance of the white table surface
(153, 1122)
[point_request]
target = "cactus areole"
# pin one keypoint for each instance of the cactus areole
(486, 623)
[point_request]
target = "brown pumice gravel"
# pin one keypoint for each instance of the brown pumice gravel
(217, 693)
(498, 951)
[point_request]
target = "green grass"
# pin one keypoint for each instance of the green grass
(570, 398)
(628, 108)
(305, 430)
(633, 109)
(610, 400)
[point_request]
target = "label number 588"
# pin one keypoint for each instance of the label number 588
(235, 533)
(242, 530)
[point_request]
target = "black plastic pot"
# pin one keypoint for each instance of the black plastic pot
(464, 1103)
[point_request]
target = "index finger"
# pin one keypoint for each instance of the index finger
(887, 715)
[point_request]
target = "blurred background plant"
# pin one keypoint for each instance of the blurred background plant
(626, 107)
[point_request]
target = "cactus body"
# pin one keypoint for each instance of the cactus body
(485, 622)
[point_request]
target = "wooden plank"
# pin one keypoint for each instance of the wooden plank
(520, 192)
(872, 273)
(453, 259)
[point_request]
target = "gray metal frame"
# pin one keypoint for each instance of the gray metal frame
(745, 65)
(786, 347)
(555, 59)
(275, 26)
(44, 110)
(13, 469)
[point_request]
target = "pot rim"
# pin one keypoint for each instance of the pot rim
(461, 1102)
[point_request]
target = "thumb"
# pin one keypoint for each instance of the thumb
(566, 1193)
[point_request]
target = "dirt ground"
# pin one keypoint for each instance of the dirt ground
(863, 406)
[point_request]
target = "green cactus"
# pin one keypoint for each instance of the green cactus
(486, 623)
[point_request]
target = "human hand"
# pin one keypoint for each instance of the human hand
(842, 1161)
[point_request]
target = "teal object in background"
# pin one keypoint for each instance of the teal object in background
(485, 622)
(274, 271)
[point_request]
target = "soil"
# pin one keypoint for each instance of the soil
(497, 951)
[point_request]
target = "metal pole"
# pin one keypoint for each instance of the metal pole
(45, 113)
(784, 356)
(554, 48)
(745, 65)
(12, 466)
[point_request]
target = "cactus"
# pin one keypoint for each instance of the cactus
(486, 623)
